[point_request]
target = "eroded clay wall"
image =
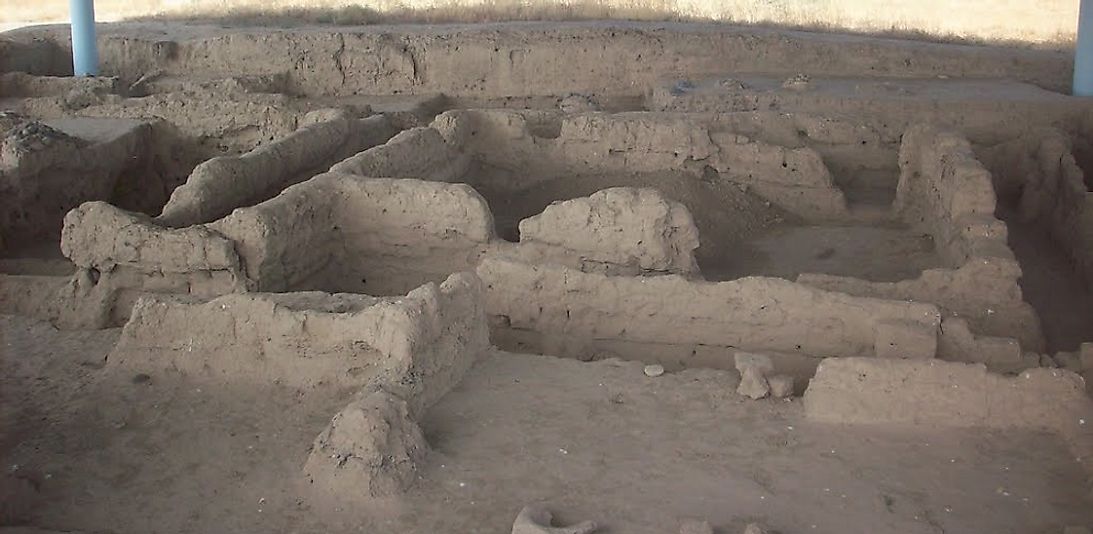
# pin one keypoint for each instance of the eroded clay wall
(417, 346)
(1040, 175)
(37, 166)
(21, 84)
(987, 111)
(222, 184)
(340, 232)
(346, 233)
(567, 309)
(551, 143)
(121, 256)
(517, 59)
(620, 230)
(419, 153)
(938, 393)
(945, 191)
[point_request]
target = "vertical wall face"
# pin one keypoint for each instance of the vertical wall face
(417, 346)
(537, 59)
(418, 153)
(339, 232)
(400, 354)
(541, 146)
(621, 229)
(949, 394)
(946, 192)
(38, 163)
(223, 184)
(121, 256)
(1043, 181)
(756, 314)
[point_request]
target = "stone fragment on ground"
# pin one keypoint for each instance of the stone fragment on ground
(535, 519)
(753, 369)
(653, 370)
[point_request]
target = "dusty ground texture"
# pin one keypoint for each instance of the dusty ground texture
(601, 194)
(595, 441)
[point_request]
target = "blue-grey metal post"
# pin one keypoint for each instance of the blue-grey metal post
(85, 51)
(1083, 51)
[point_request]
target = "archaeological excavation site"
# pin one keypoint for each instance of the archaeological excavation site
(538, 278)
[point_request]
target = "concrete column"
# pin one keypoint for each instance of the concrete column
(85, 51)
(1083, 51)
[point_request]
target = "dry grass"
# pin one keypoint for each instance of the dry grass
(1040, 23)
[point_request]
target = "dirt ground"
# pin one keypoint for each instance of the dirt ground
(845, 208)
(595, 441)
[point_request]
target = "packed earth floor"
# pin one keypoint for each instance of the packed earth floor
(481, 278)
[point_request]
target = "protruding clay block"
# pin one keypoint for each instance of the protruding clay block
(1001, 353)
(622, 225)
(899, 339)
(1086, 355)
(370, 449)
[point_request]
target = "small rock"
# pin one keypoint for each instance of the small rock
(781, 386)
(695, 527)
(754, 528)
(141, 378)
(654, 370)
(536, 520)
(753, 384)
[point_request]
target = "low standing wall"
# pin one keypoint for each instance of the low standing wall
(339, 232)
(554, 144)
(945, 191)
(756, 314)
(402, 354)
(1050, 191)
(938, 393)
(121, 255)
(222, 184)
(417, 346)
(37, 166)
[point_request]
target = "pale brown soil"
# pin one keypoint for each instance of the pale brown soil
(590, 440)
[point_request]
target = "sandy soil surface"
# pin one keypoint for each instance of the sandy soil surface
(589, 440)
(875, 252)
